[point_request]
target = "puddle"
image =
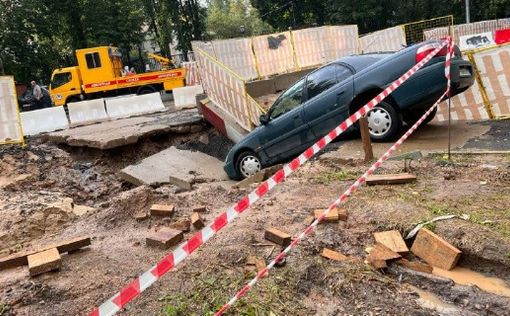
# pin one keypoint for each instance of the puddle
(431, 301)
(469, 277)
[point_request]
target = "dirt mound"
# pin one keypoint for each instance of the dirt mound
(126, 204)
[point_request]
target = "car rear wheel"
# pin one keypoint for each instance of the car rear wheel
(247, 164)
(383, 122)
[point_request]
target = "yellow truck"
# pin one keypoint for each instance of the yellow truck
(100, 73)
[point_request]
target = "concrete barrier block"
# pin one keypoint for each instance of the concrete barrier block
(45, 120)
(185, 97)
(87, 111)
(134, 105)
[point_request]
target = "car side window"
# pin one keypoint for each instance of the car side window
(326, 77)
(288, 100)
(321, 80)
(342, 73)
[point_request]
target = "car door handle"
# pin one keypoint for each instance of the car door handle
(73, 89)
(340, 93)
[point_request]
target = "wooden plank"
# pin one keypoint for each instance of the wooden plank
(414, 265)
(162, 210)
(277, 236)
(164, 238)
(200, 209)
(182, 225)
(332, 216)
(334, 255)
(400, 178)
(434, 250)
(44, 261)
(342, 214)
(393, 240)
(197, 221)
(20, 258)
(381, 252)
(365, 139)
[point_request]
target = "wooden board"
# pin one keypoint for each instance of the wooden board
(197, 221)
(20, 258)
(390, 178)
(332, 216)
(381, 252)
(44, 261)
(435, 250)
(164, 238)
(414, 265)
(333, 255)
(277, 236)
(392, 239)
(162, 210)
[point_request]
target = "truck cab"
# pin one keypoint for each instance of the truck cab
(65, 85)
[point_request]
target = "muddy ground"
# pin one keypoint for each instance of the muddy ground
(37, 184)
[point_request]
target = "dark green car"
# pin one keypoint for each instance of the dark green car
(324, 98)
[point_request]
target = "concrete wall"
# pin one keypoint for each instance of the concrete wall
(275, 84)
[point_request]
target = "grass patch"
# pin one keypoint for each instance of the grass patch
(341, 175)
(211, 289)
(4, 308)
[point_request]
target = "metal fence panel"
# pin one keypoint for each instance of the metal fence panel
(494, 69)
(343, 40)
(274, 53)
(237, 55)
(467, 29)
(312, 46)
(10, 121)
(388, 40)
(224, 87)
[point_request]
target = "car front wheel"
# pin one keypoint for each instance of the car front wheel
(248, 163)
(383, 122)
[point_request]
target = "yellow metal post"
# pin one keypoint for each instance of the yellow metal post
(483, 91)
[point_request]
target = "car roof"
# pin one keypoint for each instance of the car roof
(360, 62)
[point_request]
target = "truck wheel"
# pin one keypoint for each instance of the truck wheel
(383, 122)
(146, 90)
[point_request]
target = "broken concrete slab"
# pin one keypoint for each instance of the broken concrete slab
(112, 134)
(179, 167)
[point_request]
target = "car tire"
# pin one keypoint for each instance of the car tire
(247, 164)
(384, 122)
(412, 117)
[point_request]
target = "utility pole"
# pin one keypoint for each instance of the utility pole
(467, 12)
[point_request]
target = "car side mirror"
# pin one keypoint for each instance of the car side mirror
(264, 119)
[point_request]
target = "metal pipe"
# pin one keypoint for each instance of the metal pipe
(467, 12)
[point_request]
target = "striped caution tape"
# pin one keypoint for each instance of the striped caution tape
(144, 281)
(262, 273)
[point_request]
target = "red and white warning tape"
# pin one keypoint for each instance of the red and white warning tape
(262, 273)
(144, 281)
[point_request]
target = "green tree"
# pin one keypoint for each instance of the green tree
(285, 14)
(234, 18)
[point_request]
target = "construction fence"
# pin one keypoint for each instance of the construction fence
(225, 66)
(11, 131)
(489, 97)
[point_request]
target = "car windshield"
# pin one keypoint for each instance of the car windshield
(288, 100)
(60, 79)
